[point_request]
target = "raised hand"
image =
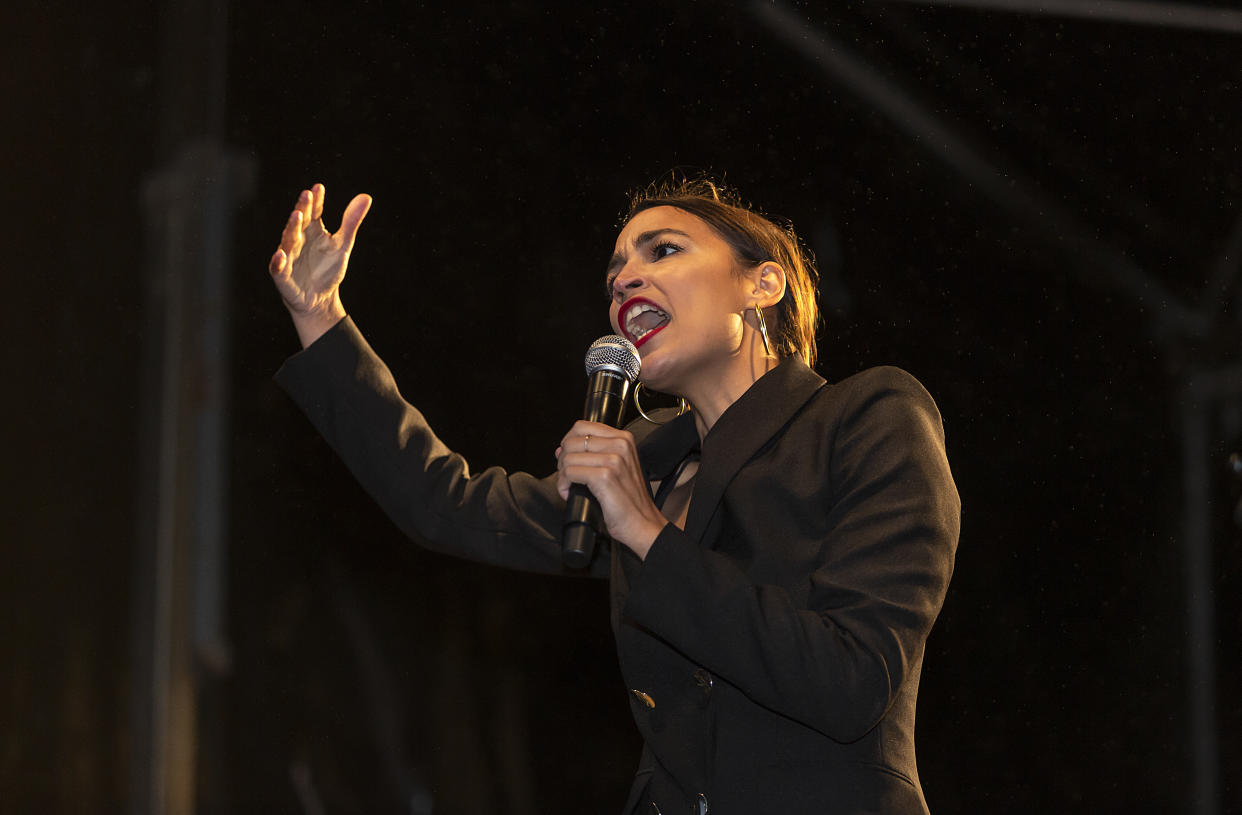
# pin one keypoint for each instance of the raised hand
(310, 264)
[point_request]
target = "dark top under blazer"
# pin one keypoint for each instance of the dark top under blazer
(775, 645)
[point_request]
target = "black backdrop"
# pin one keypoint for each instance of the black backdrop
(499, 141)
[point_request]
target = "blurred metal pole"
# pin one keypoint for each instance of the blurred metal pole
(1169, 15)
(1201, 398)
(188, 199)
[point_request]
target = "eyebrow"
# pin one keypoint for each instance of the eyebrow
(644, 239)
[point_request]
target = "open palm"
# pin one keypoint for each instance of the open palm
(310, 264)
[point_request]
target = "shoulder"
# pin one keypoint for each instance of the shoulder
(885, 382)
(881, 379)
(877, 398)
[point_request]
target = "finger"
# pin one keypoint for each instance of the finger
(563, 480)
(291, 238)
(620, 446)
(611, 485)
(583, 428)
(318, 193)
(352, 219)
(571, 473)
(595, 460)
(280, 268)
(305, 201)
(602, 439)
(277, 264)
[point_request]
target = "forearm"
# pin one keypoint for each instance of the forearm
(836, 670)
(506, 519)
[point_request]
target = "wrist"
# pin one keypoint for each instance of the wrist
(311, 325)
(645, 541)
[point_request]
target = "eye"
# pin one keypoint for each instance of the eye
(663, 249)
(656, 251)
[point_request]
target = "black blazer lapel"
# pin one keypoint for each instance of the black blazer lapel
(662, 447)
(741, 430)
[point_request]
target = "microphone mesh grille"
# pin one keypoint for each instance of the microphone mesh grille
(616, 353)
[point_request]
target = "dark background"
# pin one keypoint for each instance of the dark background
(1044, 311)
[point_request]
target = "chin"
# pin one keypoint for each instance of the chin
(656, 377)
(666, 364)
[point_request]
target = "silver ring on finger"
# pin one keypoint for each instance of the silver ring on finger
(586, 444)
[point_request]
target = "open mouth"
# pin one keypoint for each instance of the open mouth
(641, 320)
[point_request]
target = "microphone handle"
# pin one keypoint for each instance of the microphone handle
(584, 522)
(605, 401)
(582, 519)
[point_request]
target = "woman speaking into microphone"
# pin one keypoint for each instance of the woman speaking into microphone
(778, 550)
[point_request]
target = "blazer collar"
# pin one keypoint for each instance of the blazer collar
(741, 430)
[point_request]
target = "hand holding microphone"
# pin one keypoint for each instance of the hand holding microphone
(600, 478)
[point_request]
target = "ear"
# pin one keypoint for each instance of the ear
(768, 284)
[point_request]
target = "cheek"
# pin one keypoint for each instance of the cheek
(718, 315)
(731, 328)
(612, 319)
(720, 331)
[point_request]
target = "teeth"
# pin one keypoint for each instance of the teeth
(633, 314)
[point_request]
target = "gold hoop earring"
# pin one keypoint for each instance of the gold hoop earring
(763, 330)
(682, 406)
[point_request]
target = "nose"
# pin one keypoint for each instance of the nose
(626, 281)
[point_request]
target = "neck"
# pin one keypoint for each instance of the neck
(711, 397)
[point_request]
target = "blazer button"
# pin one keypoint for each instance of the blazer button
(644, 698)
(704, 680)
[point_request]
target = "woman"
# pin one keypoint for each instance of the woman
(780, 551)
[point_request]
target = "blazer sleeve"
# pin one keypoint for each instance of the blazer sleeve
(838, 661)
(496, 517)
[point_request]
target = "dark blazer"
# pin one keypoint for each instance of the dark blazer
(774, 647)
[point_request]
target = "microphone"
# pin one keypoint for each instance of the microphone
(612, 365)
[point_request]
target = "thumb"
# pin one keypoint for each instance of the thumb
(352, 219)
